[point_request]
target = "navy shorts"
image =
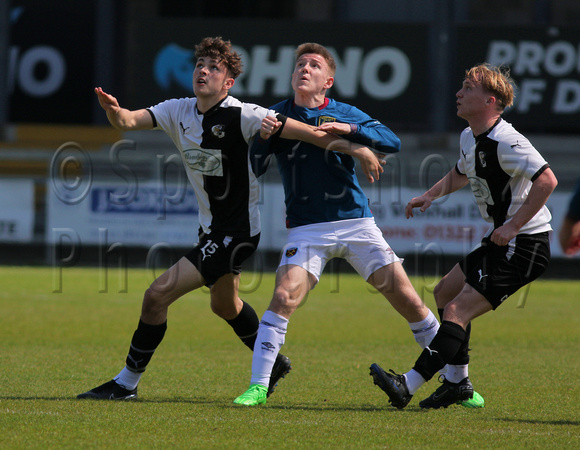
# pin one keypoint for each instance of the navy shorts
(497, 272)
(216, 255)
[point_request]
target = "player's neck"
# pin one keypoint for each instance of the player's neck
(309, 100)
(481, 126)
(204, 104)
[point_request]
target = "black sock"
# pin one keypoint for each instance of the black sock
(246, 325)
(145, 340)
(462, 356)
(442, 349)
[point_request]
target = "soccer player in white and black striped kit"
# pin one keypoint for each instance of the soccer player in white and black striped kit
(511, 183)
(212, 132)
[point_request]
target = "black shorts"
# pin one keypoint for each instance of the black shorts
(497, 272)
(216, 255)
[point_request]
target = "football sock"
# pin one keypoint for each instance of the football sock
(270, 339)
(128, 379)
(442, 349)
(444, 370)
(245, 325)
(414, 381)
(461, 359)
(145, 340)
(425, 330)
(456, 373)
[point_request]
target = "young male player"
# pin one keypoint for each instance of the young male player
(211, 132)
(511, 183)
(327, 214)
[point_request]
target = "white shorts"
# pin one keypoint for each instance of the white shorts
(359, 241)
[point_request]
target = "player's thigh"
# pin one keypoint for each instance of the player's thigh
(449, 286)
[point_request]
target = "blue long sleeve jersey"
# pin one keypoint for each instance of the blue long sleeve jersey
(320, 185)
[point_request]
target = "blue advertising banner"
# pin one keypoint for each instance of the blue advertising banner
(380, 69)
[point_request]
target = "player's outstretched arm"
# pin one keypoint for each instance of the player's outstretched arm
(121, 118)
(371, 163)
(451, 182)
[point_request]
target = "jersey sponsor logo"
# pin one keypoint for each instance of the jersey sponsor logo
(206, 161)
(325, 119)
(291, 252)
(481, 190)
(219, 131)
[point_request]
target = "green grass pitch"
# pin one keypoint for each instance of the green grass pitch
(63, 333)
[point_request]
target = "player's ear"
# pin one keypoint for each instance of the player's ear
(329, 83)
(229, 83)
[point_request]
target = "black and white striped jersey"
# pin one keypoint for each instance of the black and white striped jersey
(214, 150)
(501, 165)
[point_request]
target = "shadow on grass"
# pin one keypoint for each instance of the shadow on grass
(338, 408)
(196, 401)
(540, 422)
(227, 405)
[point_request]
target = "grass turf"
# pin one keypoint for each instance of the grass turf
(56, 345)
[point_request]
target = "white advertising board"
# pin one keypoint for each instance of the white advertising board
(108, 213)
(16, 211)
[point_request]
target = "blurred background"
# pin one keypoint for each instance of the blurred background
(73, 190)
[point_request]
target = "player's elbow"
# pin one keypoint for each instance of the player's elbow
(392, 145)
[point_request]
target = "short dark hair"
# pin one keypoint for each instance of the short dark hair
(220, 50)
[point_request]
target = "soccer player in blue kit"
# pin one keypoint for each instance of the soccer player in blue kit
(212, 132)
(511, 183)
(328, 214)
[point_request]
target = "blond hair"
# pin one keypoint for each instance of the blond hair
(495, 80)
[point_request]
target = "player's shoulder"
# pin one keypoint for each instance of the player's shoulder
(283, 106)
(178, 103)
(466, 135)
(507, 136)
(344, 108)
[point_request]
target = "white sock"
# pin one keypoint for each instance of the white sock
(127, 379)
(425, 330)
(270, 339)
(455, 373)
(414, 381)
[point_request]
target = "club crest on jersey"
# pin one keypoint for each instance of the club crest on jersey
(325, 119)
(482, 159)
(291, 252)
(218, 131)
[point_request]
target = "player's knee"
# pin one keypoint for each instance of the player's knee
(153, 302)
(226, 312)
(283, 302)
